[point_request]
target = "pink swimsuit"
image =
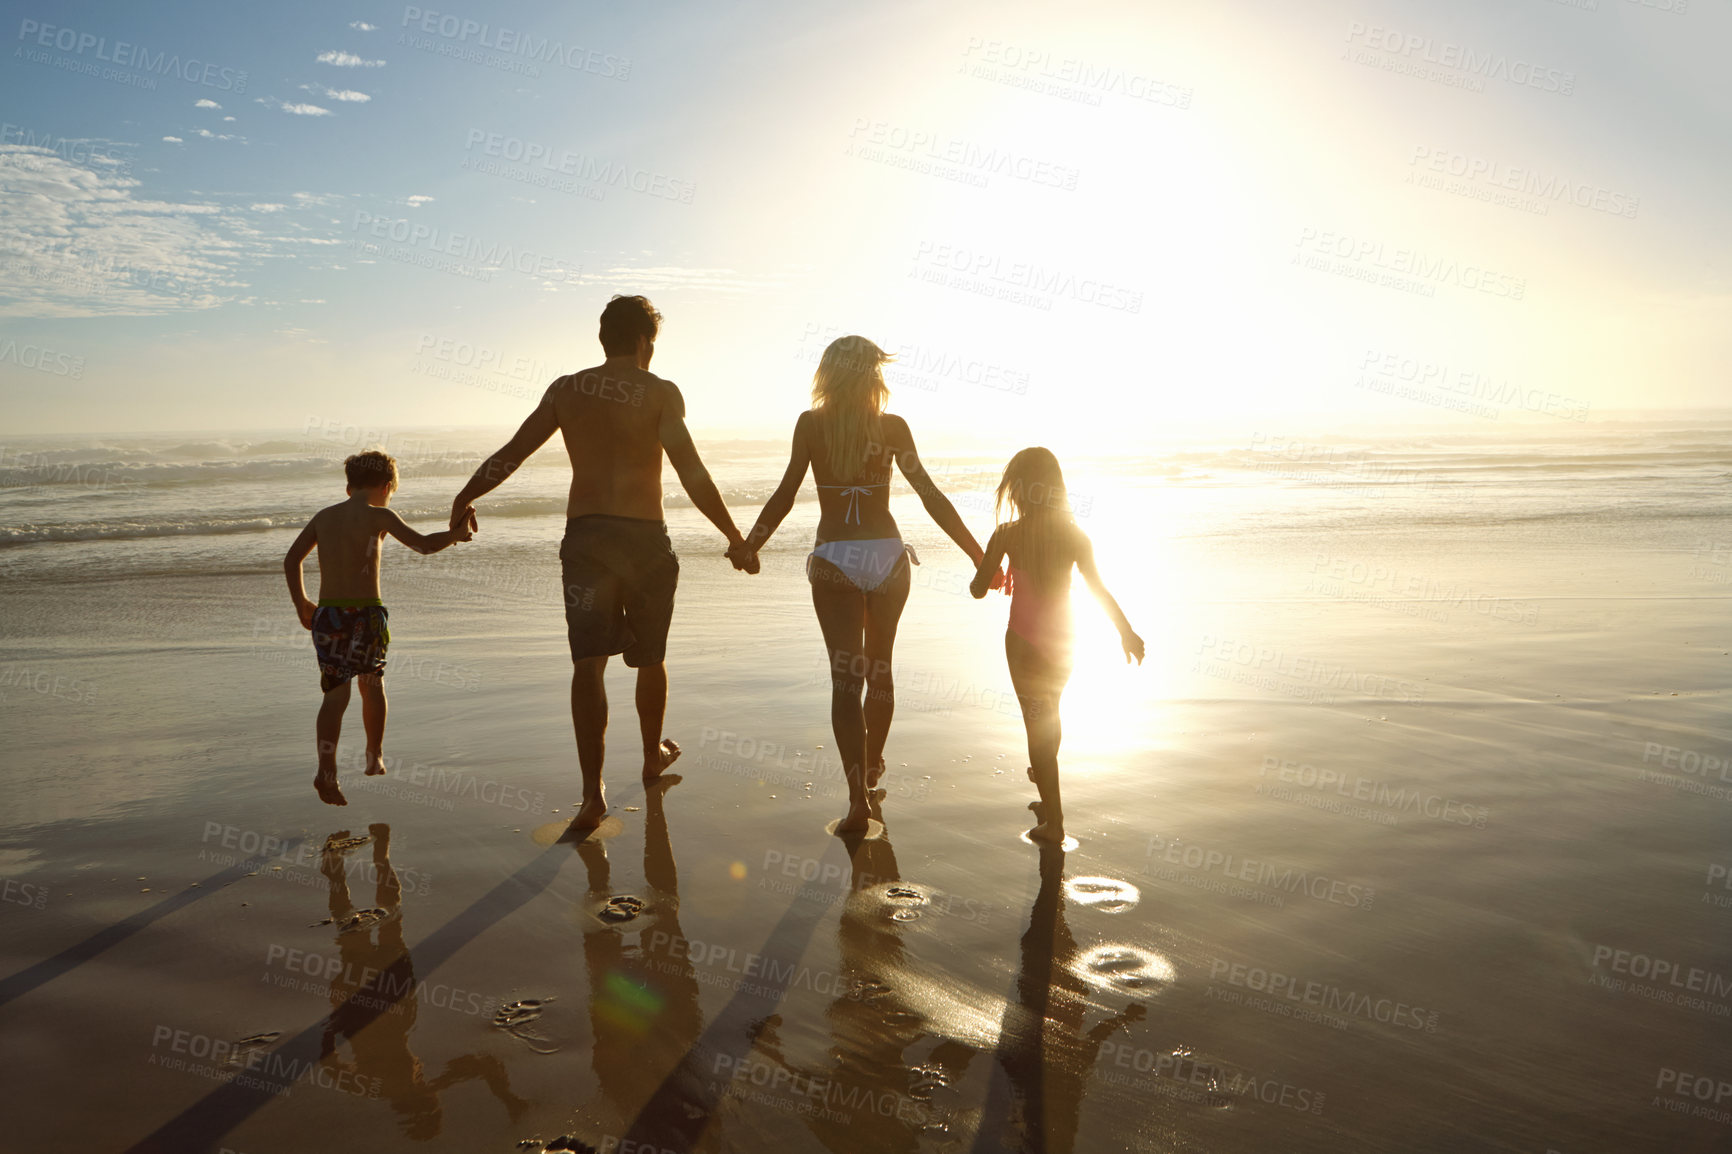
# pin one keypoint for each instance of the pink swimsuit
(1040, 620)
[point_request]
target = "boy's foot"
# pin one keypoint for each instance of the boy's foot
(874, 772)
(859, 818)
(589, 815)
(660, 758)
(326, 784)
(375, 762)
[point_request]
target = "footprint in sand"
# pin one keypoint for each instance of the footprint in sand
(358, 920)
(517, 1018)
(622, 908)
(1108, 895)
(1125, 969)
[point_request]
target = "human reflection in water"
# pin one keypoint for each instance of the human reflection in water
(868, 1097)
(375, 998)
(1042, 1046)
(643, 1006)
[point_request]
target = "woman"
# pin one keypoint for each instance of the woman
(859, 567)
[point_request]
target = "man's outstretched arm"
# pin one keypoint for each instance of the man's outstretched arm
(695, 479)
(530, 436)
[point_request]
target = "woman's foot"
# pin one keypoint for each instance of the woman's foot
(325, 782)
(375, 762)
(874, 773)
(859, 818)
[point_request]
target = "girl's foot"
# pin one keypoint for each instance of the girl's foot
(375, 762)
(1050, 832)
(874, 772)
(326, 784)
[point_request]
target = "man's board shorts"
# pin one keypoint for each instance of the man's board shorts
(619, 575)
(349, 637)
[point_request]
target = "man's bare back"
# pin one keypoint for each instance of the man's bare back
(612, 419)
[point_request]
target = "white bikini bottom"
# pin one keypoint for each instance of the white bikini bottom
(865, 563)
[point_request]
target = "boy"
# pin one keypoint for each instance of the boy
(349, 624)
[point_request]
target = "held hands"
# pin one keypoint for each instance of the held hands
(1133, 646)
(463, 516)
(743, 556)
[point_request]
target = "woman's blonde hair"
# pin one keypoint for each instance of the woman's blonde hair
(849, 395)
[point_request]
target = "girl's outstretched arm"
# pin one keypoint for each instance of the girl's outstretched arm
(986, 574)
(782, 500)
(937, 504)
(1085, 563)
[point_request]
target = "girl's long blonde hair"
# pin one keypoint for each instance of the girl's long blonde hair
(849, 395)
(1034, 492)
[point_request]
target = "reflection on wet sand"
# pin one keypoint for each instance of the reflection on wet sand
(868, 1096)
(1042, 1046)
(643, 1005)
(374, 999)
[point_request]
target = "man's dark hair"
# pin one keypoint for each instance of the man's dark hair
(624, 320)
(371, 469)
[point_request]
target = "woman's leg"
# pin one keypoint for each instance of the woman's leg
(883, 612)
(1039, 684)
(841, 610)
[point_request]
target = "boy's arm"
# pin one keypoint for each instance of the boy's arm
(938, 506)
(1085, 563)
(782, 500)
(292, 571)
(530, 436)
(422, 543)
(676, 439)
(986, 574)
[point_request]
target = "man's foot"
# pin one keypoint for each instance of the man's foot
(859, 818)
(375, 762)
(659, 758)
(875, 772)
(589, 815)
(326, 783)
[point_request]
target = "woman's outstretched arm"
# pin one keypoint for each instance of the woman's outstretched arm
(937, 504)
(1085, 563)
(782, 500)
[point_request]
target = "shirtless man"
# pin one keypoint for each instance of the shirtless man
(618, 567)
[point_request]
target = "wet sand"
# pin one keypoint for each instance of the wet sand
(1356, 870)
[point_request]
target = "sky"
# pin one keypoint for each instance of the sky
(1088, 224)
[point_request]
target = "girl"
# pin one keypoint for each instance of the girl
(859, 565)
(1043, 543)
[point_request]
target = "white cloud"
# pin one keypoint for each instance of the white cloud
(269, 207)
(417, 200)
(173, 140)
(347, 60)
(229, 119)
(347, 95)
(363, 26)
(294, 109)
(76, 242)
(206, 104)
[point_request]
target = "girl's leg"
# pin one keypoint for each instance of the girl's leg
(328, 728)
(1038, 685)
(841, 610)
(373, 718)
(883, 613)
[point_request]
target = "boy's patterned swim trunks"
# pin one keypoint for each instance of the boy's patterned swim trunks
(350, 640)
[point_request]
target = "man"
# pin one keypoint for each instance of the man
(618, 568)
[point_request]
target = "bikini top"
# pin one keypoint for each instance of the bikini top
(853, 491)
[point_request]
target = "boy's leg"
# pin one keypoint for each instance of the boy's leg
(589, 722)
(373, 718)
(652, 709)
(328, 728)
